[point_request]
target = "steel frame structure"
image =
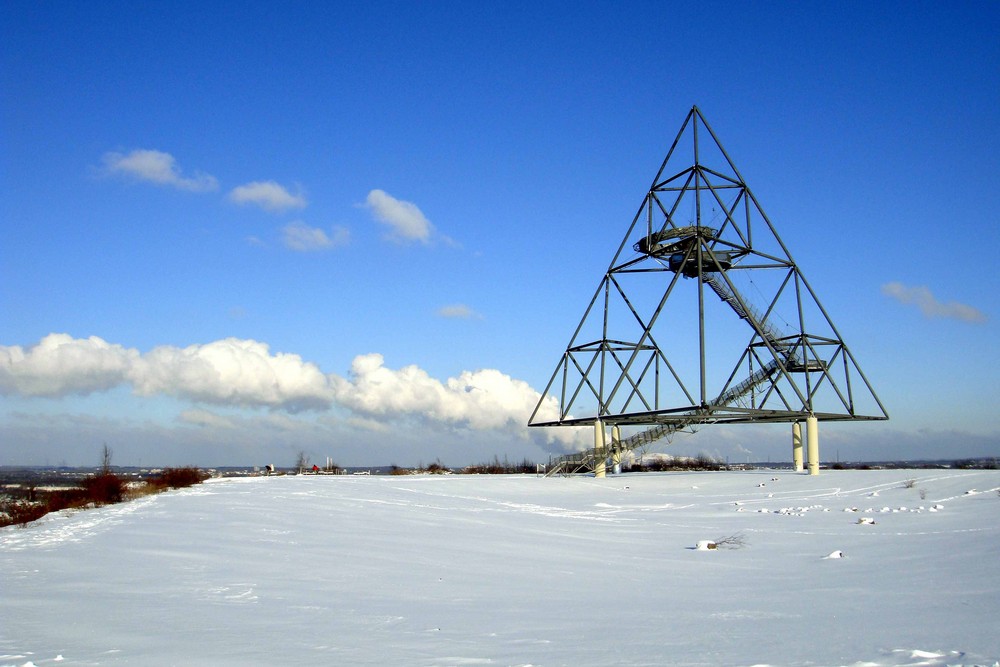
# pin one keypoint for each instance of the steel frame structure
(676, 291)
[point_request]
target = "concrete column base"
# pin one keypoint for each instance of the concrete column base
(812, 433)
(599, 450)
(797, 446)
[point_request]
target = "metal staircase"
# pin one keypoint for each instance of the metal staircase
(606, 378)
(747, 312)
(582, 461)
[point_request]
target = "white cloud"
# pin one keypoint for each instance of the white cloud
(246, 373)
(405, 221)
(480, 400)
(231, 372)
(60, 365)
(300, 236)
(268, 195)
(922, 297)
(458, 311)
(156, 167)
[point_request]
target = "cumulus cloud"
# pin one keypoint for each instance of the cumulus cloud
(404, 220)
(229, 372)
(928, 304)
(269, 195)
(300, 236)
(246, 373)
(60, 365)
(458, 311)
(481, 400)
(156, 167)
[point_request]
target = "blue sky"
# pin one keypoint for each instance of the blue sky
(367, 230)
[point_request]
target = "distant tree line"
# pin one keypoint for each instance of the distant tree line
(675, 463)
(960, 464)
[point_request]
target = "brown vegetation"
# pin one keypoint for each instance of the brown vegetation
(102, 488)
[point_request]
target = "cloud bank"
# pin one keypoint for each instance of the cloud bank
(247, 374)
(923, 299)
(156, 167)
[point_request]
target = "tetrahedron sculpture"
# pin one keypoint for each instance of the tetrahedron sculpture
(703, 316)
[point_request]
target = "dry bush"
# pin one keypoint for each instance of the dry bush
(736, 541)
(20, 512)
(71, 498)
(105, 488)
(178, 478)
(100, 489)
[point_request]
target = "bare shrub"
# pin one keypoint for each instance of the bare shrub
(104, 488)
(735, 541)
(71, 498)
(177, 478)
(20, 512)
(909, 484)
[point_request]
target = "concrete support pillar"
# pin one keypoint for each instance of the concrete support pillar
(616, 452)
(599, 450)
(797, 446)
(812, 436)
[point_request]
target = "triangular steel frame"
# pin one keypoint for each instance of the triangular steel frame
(676, 291)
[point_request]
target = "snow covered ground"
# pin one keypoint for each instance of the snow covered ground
(483, 570)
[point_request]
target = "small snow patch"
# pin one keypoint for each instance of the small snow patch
(925, 654)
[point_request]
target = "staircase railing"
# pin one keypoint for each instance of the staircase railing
(585, 460)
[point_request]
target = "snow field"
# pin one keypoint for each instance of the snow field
(512, 570)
